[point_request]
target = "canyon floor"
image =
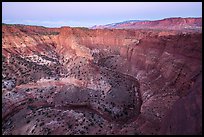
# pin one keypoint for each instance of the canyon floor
(69, 81)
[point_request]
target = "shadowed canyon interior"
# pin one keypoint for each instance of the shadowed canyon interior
(101, 81)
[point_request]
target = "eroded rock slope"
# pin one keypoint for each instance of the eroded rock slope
(80, 81)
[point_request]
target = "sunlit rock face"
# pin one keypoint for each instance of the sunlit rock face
(67, 81)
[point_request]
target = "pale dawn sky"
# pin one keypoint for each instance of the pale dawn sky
(87, 14)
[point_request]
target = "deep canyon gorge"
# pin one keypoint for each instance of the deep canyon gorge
(68, 80)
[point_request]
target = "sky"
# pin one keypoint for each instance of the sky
(88, 14)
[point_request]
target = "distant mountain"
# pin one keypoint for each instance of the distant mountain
(115, 25)
(168, 23)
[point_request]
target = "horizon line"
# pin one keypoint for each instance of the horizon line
(142, 20)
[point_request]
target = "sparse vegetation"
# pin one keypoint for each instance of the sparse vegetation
(83, 28)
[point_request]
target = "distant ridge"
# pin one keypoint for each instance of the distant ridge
(167, 23)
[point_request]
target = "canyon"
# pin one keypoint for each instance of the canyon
(69, 81)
